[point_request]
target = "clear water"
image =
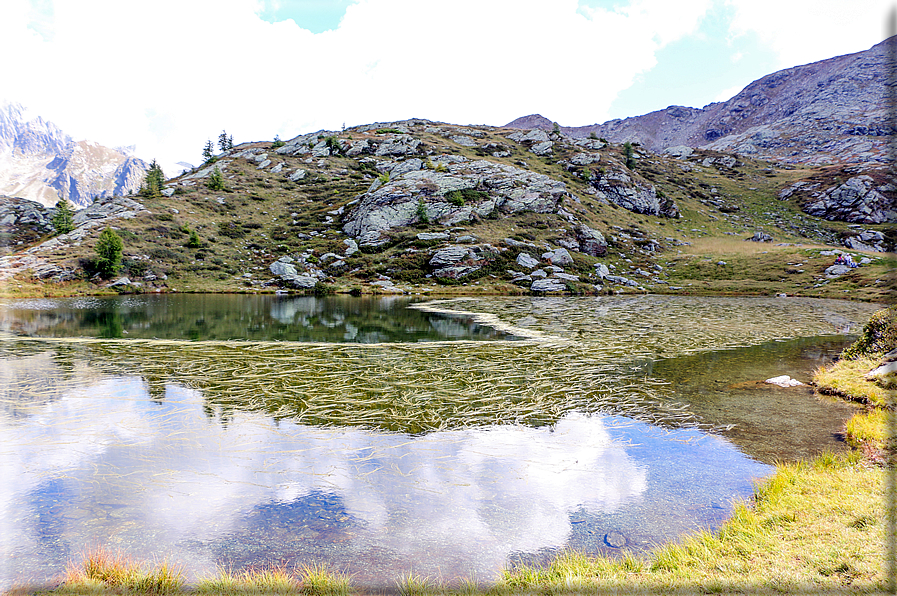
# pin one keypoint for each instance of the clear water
(611, 424)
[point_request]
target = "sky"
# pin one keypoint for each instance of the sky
(168, 75)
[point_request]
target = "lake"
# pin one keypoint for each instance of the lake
(383, 436)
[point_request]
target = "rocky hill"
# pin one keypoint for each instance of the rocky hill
(39, 162)
(828, 112)
(430, 207)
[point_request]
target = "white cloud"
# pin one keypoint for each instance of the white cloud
(804, 31)
(168, 75)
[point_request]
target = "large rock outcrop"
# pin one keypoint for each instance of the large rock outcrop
(456, 190)
(620, 188)
(868, 198)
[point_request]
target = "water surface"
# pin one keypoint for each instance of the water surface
(609, 424)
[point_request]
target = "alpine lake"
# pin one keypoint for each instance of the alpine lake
(383, 436)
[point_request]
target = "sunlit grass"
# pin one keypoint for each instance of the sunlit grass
(102, 571)
(845, 378)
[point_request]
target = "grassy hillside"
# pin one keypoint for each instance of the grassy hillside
(262, 215)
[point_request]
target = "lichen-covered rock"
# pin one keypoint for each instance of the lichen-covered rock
(402, 200)
(619, 188)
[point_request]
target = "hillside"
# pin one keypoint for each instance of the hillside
(425, 207)
(39, 162)
(828, 112)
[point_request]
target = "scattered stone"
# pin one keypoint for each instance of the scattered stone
(466, 239)
(784, 381)
(433, 236)
(760, 237)
(298, 175)
(167, 192)
(351, 247)
(615, 539)
(620, 280)
(601, 270)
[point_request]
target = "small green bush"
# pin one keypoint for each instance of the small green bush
(879, 335)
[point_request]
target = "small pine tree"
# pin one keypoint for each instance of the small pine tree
(194, 242)
(222, 141)
(108, 248)
(627, 151)
(556, 128)
(230, 142)
(208, 152)
(277, 142)
(216, 180)
(64, 219)
(153, 181)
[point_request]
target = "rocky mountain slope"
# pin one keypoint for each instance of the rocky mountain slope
(39, 162)
(828, 112)
(429, 207)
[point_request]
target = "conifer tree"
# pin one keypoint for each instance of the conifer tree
(230, 142)
(64, 219)
(216, 180)
(223, 141)
(108, 248)
(208, 152)
(153, 181)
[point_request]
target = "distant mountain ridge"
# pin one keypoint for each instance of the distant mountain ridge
(40, 162)
(828, 112)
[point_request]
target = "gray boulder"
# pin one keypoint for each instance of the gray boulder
(548, 284)
(591, 242)
(450, 255)
(433, 236)
(558, 256)
(524, 260)
(601, 270)
(837, 271)
(543, 148)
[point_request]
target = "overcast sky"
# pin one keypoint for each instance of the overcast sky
(167, 75)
